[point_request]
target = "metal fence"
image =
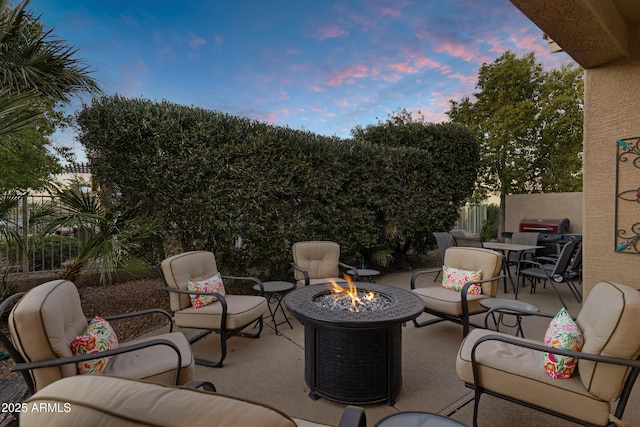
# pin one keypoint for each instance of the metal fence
(44, 252)
(471, 219)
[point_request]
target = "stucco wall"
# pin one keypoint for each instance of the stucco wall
(548, 205)
(612, 111)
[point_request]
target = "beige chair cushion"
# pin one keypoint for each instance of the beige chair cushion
(319, 258)
(608, 321)
(157, 363)
(179, 269)
(448, 301)
(241, 310)
(49, 316)
(107, 401)
(473, 259)
(43, 324)
(518, 372)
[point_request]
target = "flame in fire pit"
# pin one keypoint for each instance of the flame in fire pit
(351, 299)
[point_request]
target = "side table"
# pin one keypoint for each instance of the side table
(507, 307)
(363, 273)
(276, 290)
(415, 418)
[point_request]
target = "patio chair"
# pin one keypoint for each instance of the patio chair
(317, 262)
(108, 401)
(468, 241)
(226, 314)
(445, 241)
(513, 368)
(551, 269)
(457, 304)
(45, 321)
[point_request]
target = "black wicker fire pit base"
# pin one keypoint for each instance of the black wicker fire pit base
(354, 358)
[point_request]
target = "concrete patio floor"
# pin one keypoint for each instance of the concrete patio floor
(270, 369)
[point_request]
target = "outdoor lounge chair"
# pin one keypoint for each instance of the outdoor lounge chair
(554, 270)
(457, 306)
(227, 315)
(108, 401)
(317, 262)
(513, 368)
(44, 322)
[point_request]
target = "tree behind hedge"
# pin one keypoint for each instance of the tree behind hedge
(248, 190)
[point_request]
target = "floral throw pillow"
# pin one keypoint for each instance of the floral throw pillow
(455, 279)
(212, 284)
(99, 336)
(563, 333)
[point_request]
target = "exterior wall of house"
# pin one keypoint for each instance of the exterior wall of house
(546, 205)
(612, 112)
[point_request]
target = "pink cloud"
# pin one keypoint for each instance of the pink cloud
(331, 32)
(470, 79)
(387, 11)
(196, 41)
(457, 50)
(403, 67)
(349, 74)
(317, 88)
(218, 40)
(299, 67)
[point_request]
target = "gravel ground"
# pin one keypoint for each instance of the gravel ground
(101, 300)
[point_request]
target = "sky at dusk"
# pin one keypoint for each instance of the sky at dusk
(324, 66)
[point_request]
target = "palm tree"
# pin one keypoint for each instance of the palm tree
(38, 70)
(110, 239)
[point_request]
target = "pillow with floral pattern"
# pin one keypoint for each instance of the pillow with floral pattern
(455, 279)
(563, 333)
(99, 336)
(212, 284)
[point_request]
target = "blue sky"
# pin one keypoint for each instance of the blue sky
(325, 66)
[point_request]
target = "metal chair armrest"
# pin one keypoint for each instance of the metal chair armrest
(215, 294)
(415, 275)
(305, 273)
(347, 266)
(139, 313)
(631, 363)
(353, 416)
(203, 384)
(255, 280)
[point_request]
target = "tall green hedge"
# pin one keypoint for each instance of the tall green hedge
(248, 190)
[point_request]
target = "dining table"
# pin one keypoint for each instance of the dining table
(506, 249)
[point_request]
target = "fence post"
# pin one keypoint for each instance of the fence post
(25, 233)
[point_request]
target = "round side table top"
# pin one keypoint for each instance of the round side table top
(501, 304)
(275, 286)
(414, 418)
(363, 272)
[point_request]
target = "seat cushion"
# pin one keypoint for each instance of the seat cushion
(241, 310)
(517, 372)
(157, 363)
(449, 302)
(107, 401)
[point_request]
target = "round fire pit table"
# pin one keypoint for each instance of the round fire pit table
(353, 357)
